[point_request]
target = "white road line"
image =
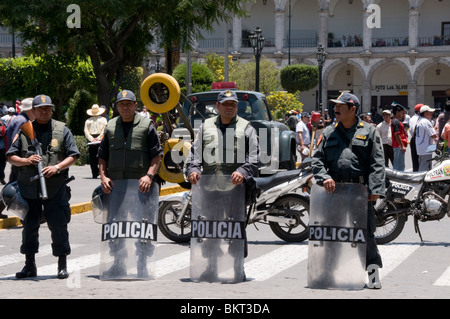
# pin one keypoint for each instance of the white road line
(393, 255)
(19, 258)
(270, 264)
(172, 263)
(444, 279)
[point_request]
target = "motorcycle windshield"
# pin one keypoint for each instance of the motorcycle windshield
(218, 230)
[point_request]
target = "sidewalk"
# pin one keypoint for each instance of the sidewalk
(82, 188)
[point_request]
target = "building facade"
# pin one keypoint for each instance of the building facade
(381, 50)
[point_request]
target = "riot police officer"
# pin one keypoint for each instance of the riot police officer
(59, 152)
(199, 163)
(351, 152)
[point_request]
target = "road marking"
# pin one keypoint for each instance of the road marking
(172, 263)
(392, 256)
(19, 258)
(270, 264)
(444, 279)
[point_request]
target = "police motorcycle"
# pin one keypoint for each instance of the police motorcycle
(422, 195)
(280, 200)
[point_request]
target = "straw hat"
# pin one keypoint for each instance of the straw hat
(95, 110)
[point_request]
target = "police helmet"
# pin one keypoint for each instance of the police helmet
(14, 201)
(9, 193)
(97, 191)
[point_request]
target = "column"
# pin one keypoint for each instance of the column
(412, 96)
(366, 96)
(237, 34)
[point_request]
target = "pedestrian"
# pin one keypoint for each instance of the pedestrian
(351, 151)
(425, 136)
(445, 136)
(240, 171)
(399, 137)
(441, 121)
(412, 142)
(10, 114)
(130, 149)
(292, 120)
(93, 130)
(384, 130)
(326, 118)
(303, 136)
(59, 152)
(25, 115)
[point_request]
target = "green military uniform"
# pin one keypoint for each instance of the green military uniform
(353, 155)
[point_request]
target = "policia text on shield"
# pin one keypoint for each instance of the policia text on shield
(351, 153)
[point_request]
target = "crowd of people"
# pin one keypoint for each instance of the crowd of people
(396, 128)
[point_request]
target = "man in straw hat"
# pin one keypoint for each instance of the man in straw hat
(93, 130)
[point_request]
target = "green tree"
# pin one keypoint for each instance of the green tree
(280, 103)
(202, 77)
(57, 76)
(245, 76)
(216, 64)
(113, 33)
(299, 77)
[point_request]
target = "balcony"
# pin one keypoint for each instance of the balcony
(389, 42)
(433, 41)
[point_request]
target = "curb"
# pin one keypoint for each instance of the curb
(83, 207)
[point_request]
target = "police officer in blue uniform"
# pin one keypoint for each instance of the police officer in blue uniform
(351, 152)
(59, 152)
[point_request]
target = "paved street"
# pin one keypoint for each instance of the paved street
(274, 269)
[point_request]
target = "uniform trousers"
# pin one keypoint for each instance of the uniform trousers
(57, 213)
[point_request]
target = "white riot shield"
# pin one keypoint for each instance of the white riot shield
(129, 232)
(337, 237)
(218, 230)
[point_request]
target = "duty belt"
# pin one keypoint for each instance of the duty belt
(359, 180)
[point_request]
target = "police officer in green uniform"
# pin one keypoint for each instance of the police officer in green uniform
(210, 155)
(240, 171)
(59, 152)
(130, 149)
(351, 152)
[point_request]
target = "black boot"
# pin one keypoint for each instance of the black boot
(30, 268)
(62, 267)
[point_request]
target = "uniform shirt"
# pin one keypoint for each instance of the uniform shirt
(424, 133)
(334, 158)
(154, 147)
(248, 169)
(69, 141)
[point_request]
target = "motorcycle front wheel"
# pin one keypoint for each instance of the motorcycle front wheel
(293, 207)
(179, 232)
(389, 227)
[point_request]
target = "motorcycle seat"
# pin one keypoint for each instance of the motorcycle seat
(265, 183)
(400, 176)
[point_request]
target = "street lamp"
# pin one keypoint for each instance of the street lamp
(321, 56)
(257, 42)
(157, 68)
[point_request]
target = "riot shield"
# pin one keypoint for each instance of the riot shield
(129, 232)
(337, 237)
(218, 230)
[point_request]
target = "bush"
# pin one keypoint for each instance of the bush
(81, 142)
(299, 77)
(202, 77)
(78, 105)
(280, 103)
